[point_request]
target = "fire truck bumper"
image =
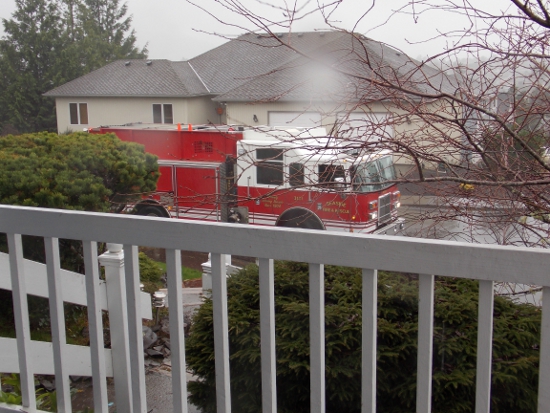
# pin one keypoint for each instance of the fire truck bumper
(393, 228)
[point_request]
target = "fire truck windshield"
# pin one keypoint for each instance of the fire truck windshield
(373, 175)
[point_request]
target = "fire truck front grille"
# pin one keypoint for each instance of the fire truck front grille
(384, 209)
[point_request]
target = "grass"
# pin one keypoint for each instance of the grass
(186, 272)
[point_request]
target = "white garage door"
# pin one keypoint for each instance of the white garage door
(294, 119)
(369, 127)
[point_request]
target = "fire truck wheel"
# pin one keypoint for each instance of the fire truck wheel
(152, 211)
(299, 218)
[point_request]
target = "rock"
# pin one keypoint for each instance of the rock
(154, 353)
(158, 348)
(167, 344)
(149, 337)
(166, 352)
(165, 326)
(48, 385)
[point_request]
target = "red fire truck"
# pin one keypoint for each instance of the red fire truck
(290, 178)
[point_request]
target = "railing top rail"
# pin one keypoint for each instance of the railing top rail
(413, 255)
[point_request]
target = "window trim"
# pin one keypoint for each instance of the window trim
(163, 115)
(78, 106)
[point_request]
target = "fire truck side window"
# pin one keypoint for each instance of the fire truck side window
(296, 174)
(331, 176)
(269, 169)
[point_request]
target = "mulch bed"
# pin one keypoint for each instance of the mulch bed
(196, 283)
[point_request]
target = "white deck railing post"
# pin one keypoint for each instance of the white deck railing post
(368, 334)
(113, 261)
(317, 337)
(425, 343)
(21, 315)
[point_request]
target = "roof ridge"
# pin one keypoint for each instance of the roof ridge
(198, 76)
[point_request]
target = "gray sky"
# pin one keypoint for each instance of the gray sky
(174, 29)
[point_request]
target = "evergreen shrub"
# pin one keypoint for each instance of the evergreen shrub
(515, 348)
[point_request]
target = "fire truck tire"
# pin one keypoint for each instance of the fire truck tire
(152, 211)
(299, 218)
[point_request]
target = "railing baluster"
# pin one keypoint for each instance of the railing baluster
(544, 363)
(57, 320)
(484, 346)
(113, 260)
(221, 333)
(135, 329)
(267, 325)
(370, 314)
(21, 315)
(425, 343)
(177, 339)
(317, 337)
(95, 326)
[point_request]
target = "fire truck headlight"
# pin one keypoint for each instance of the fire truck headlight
(373, 215)
(397, 204)
(373, 205)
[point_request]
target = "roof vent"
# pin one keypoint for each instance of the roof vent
(300, 34)
(148, 62)
(280, 35)
(127, 63)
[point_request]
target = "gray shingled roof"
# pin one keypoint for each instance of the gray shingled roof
(340, 67)
(135, 78)
(255, 67)
(250, 55)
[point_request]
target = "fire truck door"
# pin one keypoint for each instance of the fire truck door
(165, 186)
(197, 191)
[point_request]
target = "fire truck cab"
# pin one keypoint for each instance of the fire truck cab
(304, 178)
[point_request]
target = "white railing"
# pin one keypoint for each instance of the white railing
(426, 257)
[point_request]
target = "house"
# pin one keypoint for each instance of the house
(328, 78)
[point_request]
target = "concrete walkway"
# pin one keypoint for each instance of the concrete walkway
(159, 381)
(159, 393)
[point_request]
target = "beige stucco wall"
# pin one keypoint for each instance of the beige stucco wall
(243, 113)
(116, 111)
(429, 137)
(202, 110)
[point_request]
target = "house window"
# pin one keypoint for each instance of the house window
(269, 170)
(162, 113)
(78, 113)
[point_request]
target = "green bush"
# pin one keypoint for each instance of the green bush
(515, 348)
(150, 273)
